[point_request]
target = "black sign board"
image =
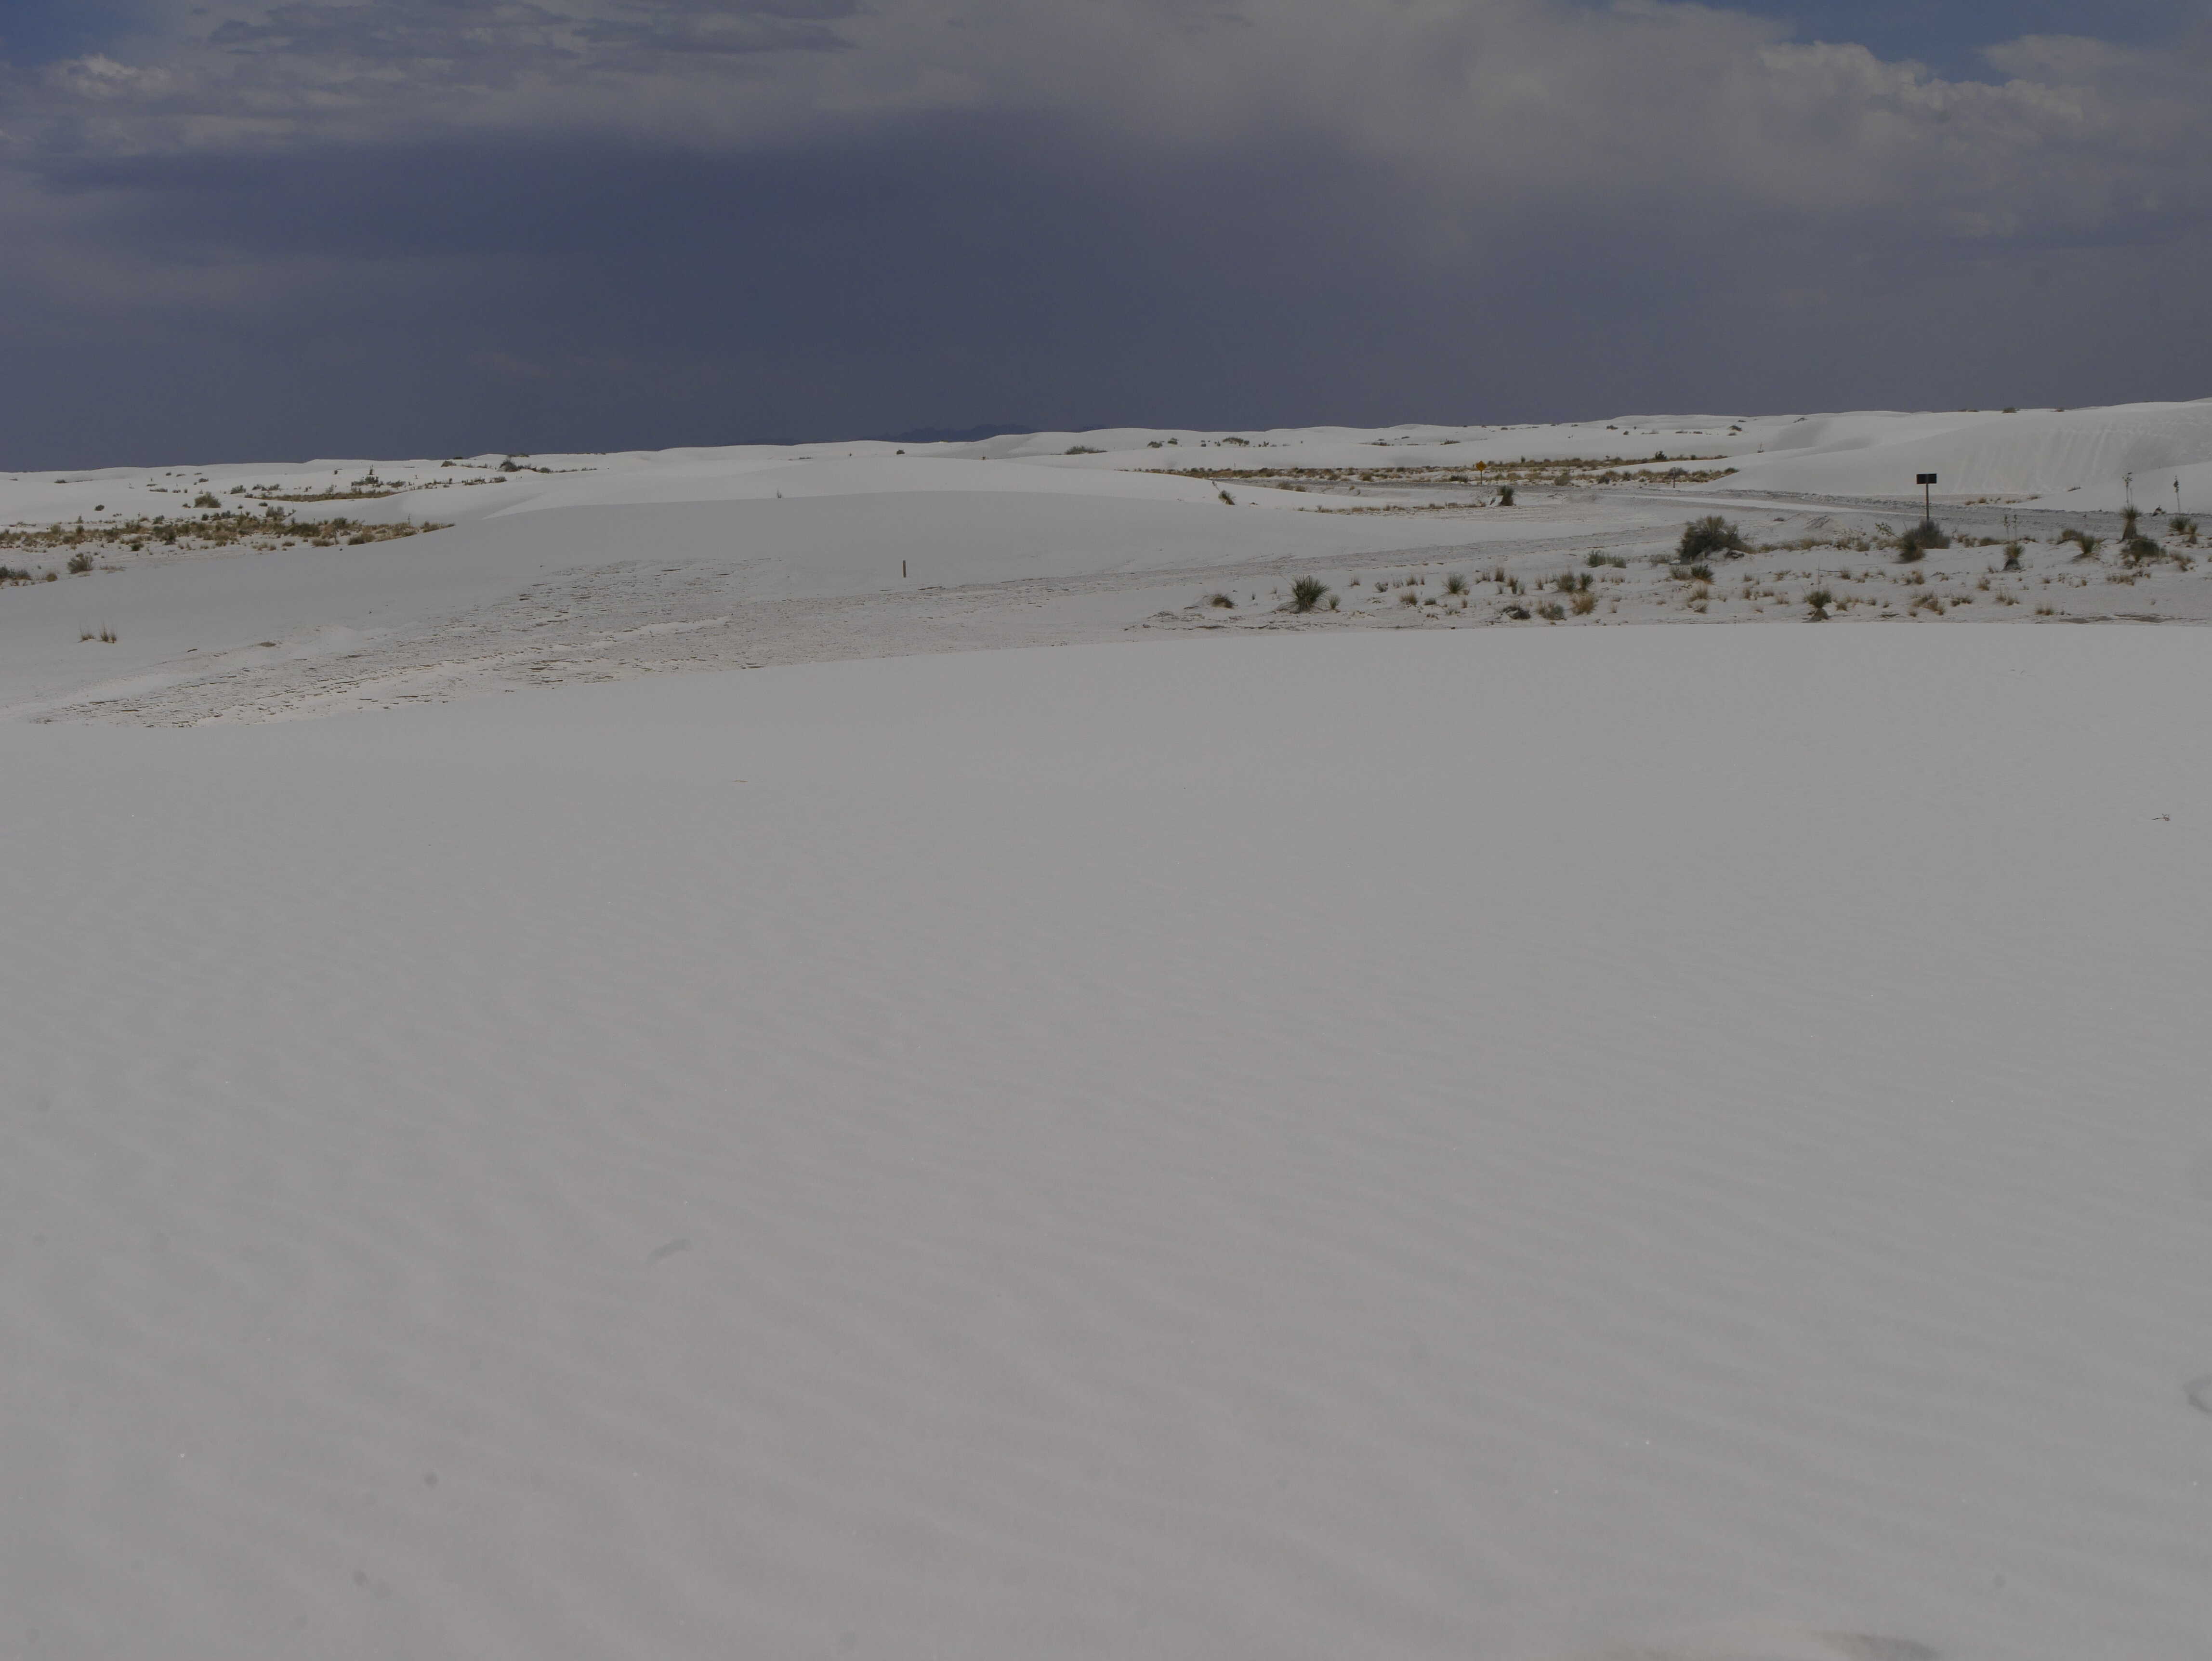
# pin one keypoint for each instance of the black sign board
(1925, 478)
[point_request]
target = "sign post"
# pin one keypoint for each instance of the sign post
(1927, 506)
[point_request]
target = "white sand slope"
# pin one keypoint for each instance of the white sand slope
(1634, 1142)
(2081, 458)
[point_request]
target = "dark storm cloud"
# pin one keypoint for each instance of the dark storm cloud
(519, 34)
(426, 226)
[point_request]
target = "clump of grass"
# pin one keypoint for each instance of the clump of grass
(1221, 600)
(1551, 613)
(1084, 450)
(1505, 496)
(1227, 499)
(2082, 539)
(1407, 597)
(1518, 613)
(1584, 602)
(1307, 594)
(1710, 535)
(1698, 573)
(1598, 560)
(2012, 551)
(2185, 527)
(1817, 603)
(1455, 583)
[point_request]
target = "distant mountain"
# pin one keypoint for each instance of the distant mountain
(955, 435)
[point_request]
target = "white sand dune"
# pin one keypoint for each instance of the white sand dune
(2074, 458)
(1636, 1143)
(769, 554)
(1402, 1132)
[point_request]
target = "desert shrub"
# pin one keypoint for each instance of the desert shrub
(1227, 499)
(1584, 603)
(1084, 450)
(1552, 613)
(12, 573)
(2130, 524)
(1709, 535)
(1699, 573)
(2082, 539)
(2012, 551)
(1456, 584)
(1597, 560)
(1817, 603)
(1409, 598)
(1505, 496)
(1919, 539)
(1518, 613)
(1221, 600)
(79, 563)
(1307, 593)
(205, 500)
(2184, 526)
(2138, 548)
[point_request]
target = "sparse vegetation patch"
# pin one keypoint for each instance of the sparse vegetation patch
(1709, 535)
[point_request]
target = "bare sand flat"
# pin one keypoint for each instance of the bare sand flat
(1509, 1143)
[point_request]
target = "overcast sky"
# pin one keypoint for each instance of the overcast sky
(253, 230)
